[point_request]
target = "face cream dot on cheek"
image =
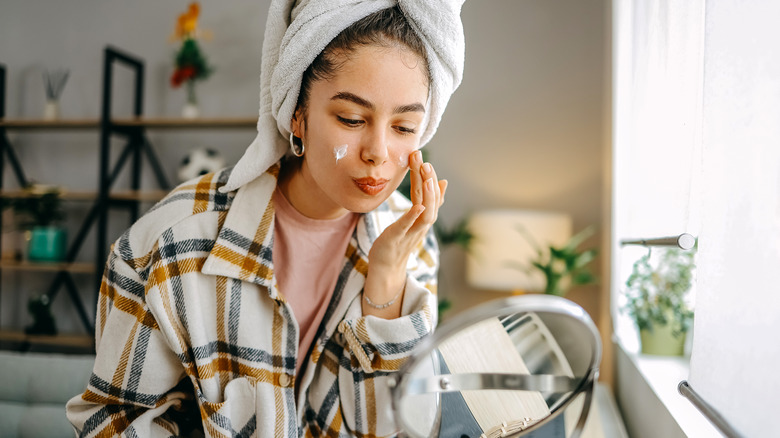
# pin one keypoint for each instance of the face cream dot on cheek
(403, 160)
(340, 152)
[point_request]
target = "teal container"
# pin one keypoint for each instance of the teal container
(47, 244)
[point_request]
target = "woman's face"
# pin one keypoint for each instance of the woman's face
(359, 128)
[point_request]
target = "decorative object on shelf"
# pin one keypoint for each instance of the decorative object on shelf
(43, 320)
(526, 251)
(190, 63)
(656, 293)
(199, 162)
(38, 213)
(54, 82)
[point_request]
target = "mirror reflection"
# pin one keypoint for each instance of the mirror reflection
(525, 365)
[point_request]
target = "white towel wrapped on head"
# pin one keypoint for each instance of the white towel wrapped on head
(296, 32)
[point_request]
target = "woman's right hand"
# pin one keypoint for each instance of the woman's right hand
(391, 250)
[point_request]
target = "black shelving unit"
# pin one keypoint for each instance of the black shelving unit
(63, 276)
(136, 149)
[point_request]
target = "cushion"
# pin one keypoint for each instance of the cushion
(20, 420)
(34, 388)
(43, 377)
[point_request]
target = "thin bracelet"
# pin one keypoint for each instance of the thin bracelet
(385, 305)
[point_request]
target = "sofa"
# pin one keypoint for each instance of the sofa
(34, 388)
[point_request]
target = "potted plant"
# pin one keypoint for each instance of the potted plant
(38, 211)
(43, 320)
(566, 266)
(656, 300)
(190, 63)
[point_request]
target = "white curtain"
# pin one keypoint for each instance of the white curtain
(697, 149)
(736, 351)
(657, 73)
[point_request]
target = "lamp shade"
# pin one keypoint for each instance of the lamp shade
(507, 241)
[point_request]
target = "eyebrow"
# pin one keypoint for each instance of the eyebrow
(412, 107)
(354, 98)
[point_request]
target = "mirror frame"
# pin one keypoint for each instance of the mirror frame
(504, 306)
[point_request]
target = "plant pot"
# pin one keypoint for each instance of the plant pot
(51, 111)
(43, 320)
(46, 244)
(190, 111)
(661, 342)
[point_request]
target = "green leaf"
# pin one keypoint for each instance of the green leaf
(583, 278)
(585, 258)
(580, 237)
(459, 234)
(444, 305)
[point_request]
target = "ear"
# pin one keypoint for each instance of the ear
(297, 123)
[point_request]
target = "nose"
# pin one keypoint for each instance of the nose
(375, 148)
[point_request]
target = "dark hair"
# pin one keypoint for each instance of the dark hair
(386, 28)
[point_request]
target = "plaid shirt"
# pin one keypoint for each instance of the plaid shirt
(193, 332)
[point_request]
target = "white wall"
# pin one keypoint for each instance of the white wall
(525, 129)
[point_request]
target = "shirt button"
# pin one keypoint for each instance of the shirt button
(285, 380)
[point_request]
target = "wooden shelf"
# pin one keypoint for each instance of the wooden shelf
(63, 340)
(64, 194)
(76, 267)
(143, 122)
(175, 123)
(124, 195)
(138, 195)
(50, 124)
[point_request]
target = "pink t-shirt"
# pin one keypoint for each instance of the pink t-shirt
(308, 255)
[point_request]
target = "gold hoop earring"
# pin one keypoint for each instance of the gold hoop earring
(293, 146)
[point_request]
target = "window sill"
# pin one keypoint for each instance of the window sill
(661, 375)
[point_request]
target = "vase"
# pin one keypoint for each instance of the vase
(51, 111)
(46, 244)
(660, 341)
(190, 109)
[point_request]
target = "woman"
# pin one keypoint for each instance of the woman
(275, 298)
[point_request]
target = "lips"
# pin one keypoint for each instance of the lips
(370, 186)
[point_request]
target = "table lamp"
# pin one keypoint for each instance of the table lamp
(506, 242)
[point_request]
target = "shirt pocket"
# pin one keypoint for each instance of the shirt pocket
(236, 414)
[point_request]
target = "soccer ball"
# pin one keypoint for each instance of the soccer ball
(199, 162)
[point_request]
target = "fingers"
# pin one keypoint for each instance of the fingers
(405, 222)
(419, 173)
(427, 192)
(430, 187)
(415, 178)
(443, 189)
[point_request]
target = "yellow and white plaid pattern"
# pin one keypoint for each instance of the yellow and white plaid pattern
(194, 334)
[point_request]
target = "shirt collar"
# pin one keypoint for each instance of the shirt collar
(243, 248)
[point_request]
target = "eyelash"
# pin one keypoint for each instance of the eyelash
(353, 123)
(350, 122)
(407, 131)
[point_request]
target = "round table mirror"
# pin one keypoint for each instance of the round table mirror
(520, 366)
